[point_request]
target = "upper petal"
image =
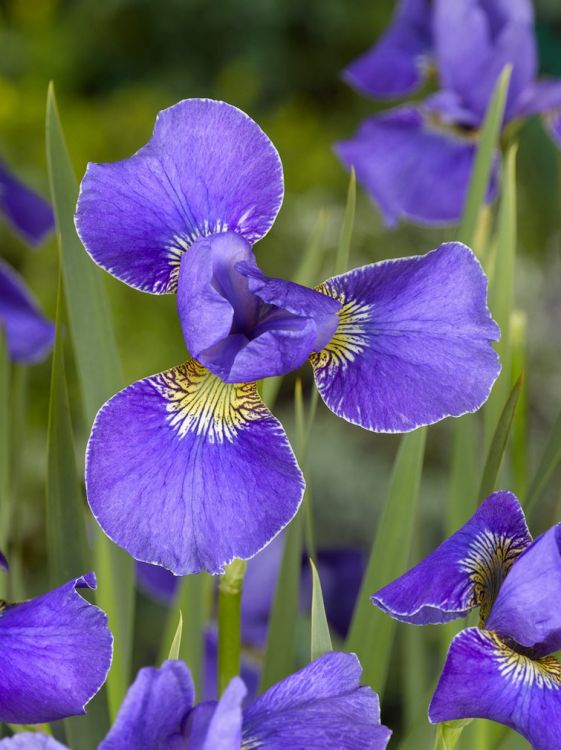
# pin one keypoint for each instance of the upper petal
(29, 214)
(31, 741)
(527, 607)
(465, 571)
(207, 168)
(56, 652)
(484, 679)
(397, 64)
(188, 472)
(154, 712)
(411, 167)
(413, 343)
(320, 706)
(29, 334)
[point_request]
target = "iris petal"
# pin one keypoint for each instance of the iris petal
(31, 741)
(208, 168)
(466, 571)
(484, 678)
(413, 343)
(28, 213)
(56, 652)
(188, 472)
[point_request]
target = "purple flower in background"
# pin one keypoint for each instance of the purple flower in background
(29, 334)
(188, 468)
(502, 670)
(415, 161)
(56, 652)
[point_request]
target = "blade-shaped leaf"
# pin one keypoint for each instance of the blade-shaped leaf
(344, 246)
(176, 643)
(99, 371)
(448, 733)
(320, 638)
(372, 631)
(549, 461)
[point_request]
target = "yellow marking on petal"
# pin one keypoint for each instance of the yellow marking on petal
(489, 559)
(350, 338)
(521, 669)
(200, 403)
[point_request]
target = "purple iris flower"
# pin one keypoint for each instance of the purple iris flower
(415, 161)
(502, 670)
(188, 468)
(29, 334)
(320, 706)
(56, 652)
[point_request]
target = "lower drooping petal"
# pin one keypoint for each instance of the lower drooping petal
(29, 334)
(397, 64)
(155, 710)
(31, 741)
(208, 168)
(465, 571)
(527, 606)
(56, 652)
(29, 214)
(413, 344)
(218, 726)
(485, 679)
(412, 168)
(321, 706)
(187, 472)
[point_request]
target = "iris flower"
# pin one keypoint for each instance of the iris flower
(502, 670)
(320, 706)
(56, 652)
(188, 468)
(29, 335)
(415, 161)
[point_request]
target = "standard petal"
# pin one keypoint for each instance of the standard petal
(485, 679)
(397, 64)
(31, 741)
(208, 168)
(320, 706)
(29, 214)
(29, 334)
(527, 606)
(187, 472)
(467, 569)
(221, 729)
(155, 710)
(413, 344)
(411, 167)
(56, 652)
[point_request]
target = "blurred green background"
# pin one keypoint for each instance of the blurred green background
(116, 63)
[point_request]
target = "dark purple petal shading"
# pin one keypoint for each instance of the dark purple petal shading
(465, 571)
(56, 652)
(413, 343)
(29, 334)
(318, 707)
(29, 214)
(242, 325)
(527, 608)
(397, 64)
(413, 168)
(208, 168)
(31, 741)
(484, 679)
(157, 582)
(3, 562)
(553, 124)
(541, 97)
(188, 472)
(155, 709)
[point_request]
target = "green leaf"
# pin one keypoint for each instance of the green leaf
(99, 372)
(499, 442)
(372, 631)
(320, 638)
(344, 246)
(484, 160)
(5, 506)
(176, 643)
(550, 459)
(448, 733)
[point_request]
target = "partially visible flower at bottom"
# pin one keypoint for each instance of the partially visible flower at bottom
(56, 653)
(502, 670)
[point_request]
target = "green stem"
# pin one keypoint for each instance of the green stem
(229, 622)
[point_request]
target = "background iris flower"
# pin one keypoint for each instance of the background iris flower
(188, 468)
(415, 161)
(502, 670)
(56, 653)
(29, 334)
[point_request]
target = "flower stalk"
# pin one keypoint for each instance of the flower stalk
(229, 622)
